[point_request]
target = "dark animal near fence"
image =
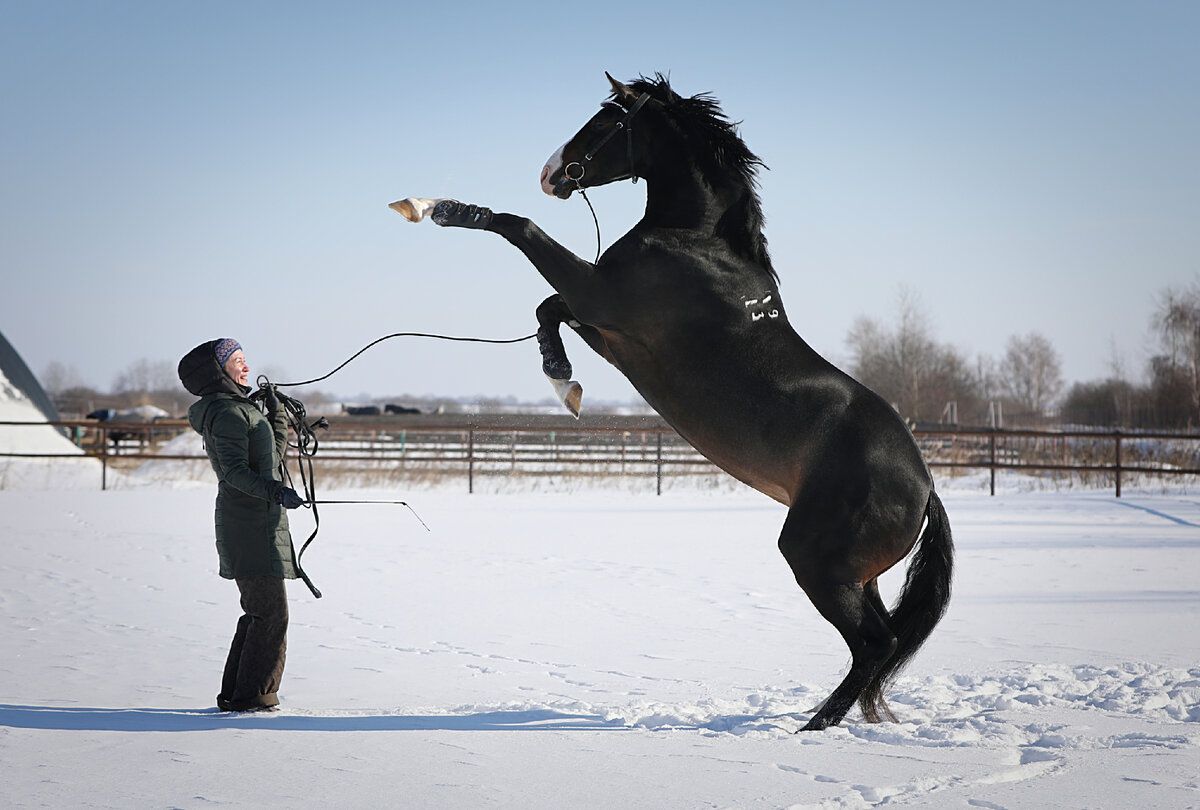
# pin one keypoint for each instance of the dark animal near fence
(142, 414)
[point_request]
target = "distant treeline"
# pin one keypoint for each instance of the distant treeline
(926, 381)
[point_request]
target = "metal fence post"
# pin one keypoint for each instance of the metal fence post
(992, 462)
(470, 462)
(103, 459)
(1118, 467)
(658, 464)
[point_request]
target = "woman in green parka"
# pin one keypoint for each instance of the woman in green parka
(254, 546)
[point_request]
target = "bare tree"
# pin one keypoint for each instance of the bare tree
(1177, 323)
(905, 365)
(57, 378)
(1031, 373)
(146, 376)
(988, 385)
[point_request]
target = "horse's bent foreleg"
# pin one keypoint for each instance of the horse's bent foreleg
(551, 313)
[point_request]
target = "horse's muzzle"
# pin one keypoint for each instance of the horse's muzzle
(556, 183)
(554, 179)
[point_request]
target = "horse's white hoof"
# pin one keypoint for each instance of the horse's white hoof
(414, 209)
(570, 394)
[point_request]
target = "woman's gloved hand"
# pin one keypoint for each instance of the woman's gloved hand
(270, 399)
(288, 498)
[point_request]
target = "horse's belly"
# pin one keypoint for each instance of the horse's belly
(720, 416)
(767, 486)
(758, 467)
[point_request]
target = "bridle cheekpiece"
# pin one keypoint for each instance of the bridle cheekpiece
(626, 124)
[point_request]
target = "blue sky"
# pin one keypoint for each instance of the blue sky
(173, 172)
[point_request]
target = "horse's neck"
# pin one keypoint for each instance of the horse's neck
(674, 202)
(682, 198)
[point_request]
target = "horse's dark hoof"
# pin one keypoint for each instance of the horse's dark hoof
(453, 214)
(818, 723)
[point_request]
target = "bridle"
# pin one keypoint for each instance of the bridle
(624, 124)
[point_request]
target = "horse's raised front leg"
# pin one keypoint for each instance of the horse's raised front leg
(570, 275)
(566, 272)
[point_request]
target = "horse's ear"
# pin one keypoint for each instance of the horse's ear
(622, 93)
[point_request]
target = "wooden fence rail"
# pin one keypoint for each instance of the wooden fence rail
(632, 445)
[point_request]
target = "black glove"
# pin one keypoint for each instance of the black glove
(288, 499)
(270, 399)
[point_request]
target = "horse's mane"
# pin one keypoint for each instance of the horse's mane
(720, 152)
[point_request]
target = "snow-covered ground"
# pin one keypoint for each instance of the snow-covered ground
(597, 649)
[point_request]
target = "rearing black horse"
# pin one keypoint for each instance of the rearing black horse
(687, 306)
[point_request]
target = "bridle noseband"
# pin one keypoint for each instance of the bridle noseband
(624, 124)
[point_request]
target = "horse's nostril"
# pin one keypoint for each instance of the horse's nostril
(547, 173)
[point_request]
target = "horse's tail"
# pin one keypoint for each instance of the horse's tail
(922, 603)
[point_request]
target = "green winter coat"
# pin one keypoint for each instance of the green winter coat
(245, 451)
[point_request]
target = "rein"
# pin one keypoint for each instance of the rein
(306, 437)
(396, 335)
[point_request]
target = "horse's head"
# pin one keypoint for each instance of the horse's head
(604, 150)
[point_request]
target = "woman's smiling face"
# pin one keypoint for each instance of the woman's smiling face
(236, 368)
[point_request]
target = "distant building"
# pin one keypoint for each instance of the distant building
(18, 375)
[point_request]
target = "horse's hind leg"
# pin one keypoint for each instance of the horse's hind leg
(852, 606)
(552, 313)
(848, 608)
(874, 707)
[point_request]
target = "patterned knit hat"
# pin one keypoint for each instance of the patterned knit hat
(224, 350)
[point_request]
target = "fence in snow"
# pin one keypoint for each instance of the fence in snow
(522, 444)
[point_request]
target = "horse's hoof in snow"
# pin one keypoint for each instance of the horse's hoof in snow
(817, 723)
(414, 209)
(570, 394)
(452, 213)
